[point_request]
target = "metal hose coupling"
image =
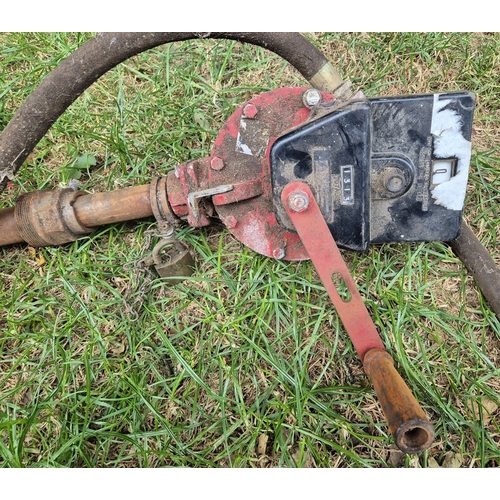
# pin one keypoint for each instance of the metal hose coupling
(45, 218)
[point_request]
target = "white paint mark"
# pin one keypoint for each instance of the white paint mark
(446, 127)
(242, 147)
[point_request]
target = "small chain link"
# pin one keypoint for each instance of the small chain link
(142, 275)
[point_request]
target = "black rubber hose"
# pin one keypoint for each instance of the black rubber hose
(93, 59)
(480, 265)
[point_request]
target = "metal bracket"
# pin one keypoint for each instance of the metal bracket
(193, 199)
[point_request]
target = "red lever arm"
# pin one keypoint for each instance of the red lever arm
(409, 426)
(322, 249)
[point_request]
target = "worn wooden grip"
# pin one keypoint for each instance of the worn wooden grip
(408, 424)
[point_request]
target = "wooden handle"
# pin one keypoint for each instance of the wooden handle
(408, 424)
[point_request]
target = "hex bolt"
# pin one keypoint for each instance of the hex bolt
(250, 111)
(298, 201)
(217, 163)
(311, 98)
(278, 253)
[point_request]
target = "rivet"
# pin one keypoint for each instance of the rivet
(278, 253)
(250, 111)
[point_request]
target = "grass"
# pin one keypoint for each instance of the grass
(245, 364)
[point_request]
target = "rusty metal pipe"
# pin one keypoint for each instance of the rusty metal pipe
(480, 265)
(411, 430)
(44, 218)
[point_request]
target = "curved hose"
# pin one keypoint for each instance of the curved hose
(480, 265)
(93, 59)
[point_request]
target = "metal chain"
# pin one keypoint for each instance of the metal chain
(141, 274)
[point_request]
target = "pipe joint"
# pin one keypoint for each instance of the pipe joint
(46, 218)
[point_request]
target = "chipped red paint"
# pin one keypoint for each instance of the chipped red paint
(240, 158)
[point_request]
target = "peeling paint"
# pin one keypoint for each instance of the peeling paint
(242, 147)
(240, 143)
(449, 142)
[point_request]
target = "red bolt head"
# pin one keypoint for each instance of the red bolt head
(217, 163)
(250, 111)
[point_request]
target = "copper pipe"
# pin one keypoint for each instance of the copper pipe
(97, 209)
(89, 210)
(9, 234)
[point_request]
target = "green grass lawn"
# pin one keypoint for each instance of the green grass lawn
(246, 363)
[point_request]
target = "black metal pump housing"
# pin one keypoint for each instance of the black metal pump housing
(390, 169)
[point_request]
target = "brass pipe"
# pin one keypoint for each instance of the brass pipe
(98, 209)
(37, 220)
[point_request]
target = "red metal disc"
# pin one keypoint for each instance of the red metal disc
(240, 157)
